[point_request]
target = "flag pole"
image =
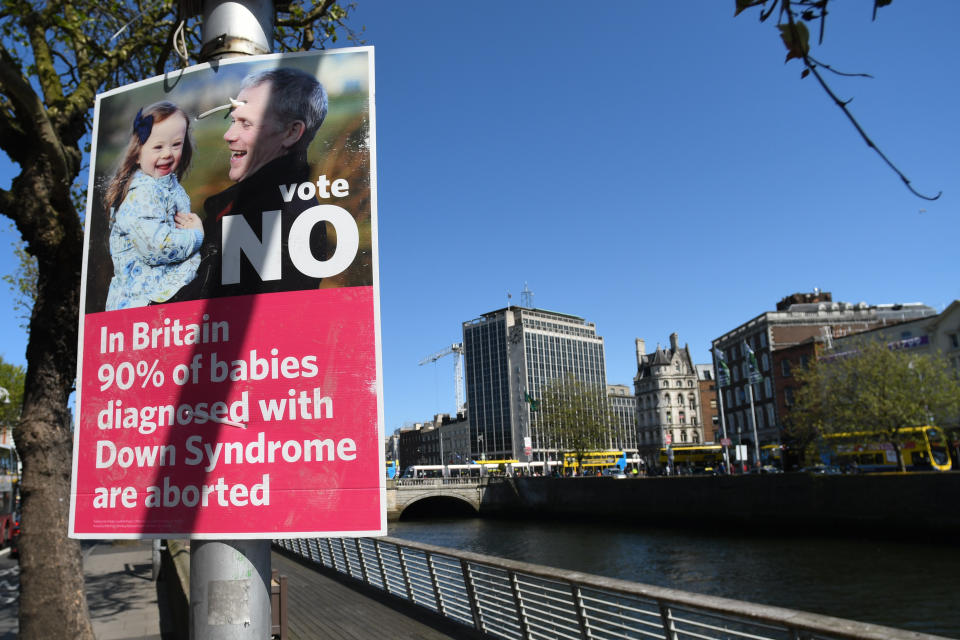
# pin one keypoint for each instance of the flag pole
(753, 419)
(753, 377)
(723, 421)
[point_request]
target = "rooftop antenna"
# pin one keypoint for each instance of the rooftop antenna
(526, 297)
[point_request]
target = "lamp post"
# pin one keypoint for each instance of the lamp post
(230, 579)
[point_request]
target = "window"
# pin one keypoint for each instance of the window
(955, 340)
(788, 396)
(785, 368)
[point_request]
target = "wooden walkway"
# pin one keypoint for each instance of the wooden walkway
(323, 604)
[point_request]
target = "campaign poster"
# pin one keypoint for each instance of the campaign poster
(229, 370)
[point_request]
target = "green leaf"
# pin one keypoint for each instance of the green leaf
(796, 38)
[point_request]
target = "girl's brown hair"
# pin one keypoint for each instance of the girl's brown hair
(157, 112)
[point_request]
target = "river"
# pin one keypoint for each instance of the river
(912, 586)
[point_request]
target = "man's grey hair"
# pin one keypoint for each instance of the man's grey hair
(295, 95)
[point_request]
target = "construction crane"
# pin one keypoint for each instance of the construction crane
(457, 350)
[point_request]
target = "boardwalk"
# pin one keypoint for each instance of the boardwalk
(322, 605)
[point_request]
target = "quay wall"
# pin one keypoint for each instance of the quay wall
(912, 504)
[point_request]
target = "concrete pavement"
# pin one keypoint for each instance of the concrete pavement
(121, 593)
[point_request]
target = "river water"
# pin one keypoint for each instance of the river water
(908, 585)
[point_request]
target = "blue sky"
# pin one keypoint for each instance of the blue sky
(650, 166)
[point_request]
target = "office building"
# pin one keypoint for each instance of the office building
(799, 318)
(509, 355)
(623, 435)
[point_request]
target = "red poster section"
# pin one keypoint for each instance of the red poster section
(248, 417)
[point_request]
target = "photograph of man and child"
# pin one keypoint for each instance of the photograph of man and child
(151, 243)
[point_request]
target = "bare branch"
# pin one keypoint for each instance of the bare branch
(839, 73)
(811, 65)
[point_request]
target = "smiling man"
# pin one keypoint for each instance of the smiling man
(273, 120)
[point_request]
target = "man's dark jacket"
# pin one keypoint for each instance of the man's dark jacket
(250, 198)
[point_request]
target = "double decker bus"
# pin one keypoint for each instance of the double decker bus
(594, 461)
(697, 458)
(9, 490)
(923, 449)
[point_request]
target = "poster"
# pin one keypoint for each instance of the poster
(229, 371)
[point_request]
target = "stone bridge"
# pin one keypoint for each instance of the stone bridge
(404, 492)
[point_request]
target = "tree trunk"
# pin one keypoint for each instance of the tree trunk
(52, 599)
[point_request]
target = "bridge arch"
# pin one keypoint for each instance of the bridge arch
(433, 498)
(438, 503)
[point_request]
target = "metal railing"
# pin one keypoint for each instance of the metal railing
(520, 601)
(437, 482)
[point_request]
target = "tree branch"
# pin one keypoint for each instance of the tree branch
(811, 66)
(29, 109)
(309, 17)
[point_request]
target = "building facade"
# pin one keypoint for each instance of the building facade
(623, 435)
(509, 355)
(668, 399)
(443, 440)
(709, 412)
(798, 318)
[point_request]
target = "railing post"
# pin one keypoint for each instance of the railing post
(471, 595)
(383, 572)
(346, 557)
(669, 631)
(363, 564)
(521, 615)
(333, 561)
(405, 574)
(578, 607)
(434, 582)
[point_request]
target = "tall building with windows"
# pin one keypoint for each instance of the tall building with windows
(799, 318)
(509, 355)
(623, 434)
(668, 399)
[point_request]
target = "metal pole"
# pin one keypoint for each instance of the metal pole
(230, 579)
(723, 422)
(723, 429)
(230, 589)
(236, 28)
(753, 420)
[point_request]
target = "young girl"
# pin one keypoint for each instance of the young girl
(153, 236)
